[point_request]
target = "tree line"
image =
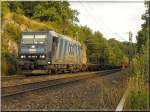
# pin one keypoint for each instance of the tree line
(64, 20)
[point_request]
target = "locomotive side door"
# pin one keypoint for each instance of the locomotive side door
(54, 48)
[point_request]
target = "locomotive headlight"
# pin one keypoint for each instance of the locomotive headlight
(22, 56)
(33, 46)
(42, 56)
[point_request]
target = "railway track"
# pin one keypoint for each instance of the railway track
(5, 78)
(22, 88)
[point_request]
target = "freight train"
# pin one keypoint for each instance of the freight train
(50, 52)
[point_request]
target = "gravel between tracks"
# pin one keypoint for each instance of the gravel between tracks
(102, 92)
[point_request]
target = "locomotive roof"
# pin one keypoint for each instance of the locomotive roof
(54, 34)
(63, 36)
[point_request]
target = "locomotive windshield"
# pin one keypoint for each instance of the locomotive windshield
(33, 39)
(39, 38)
(27, 39)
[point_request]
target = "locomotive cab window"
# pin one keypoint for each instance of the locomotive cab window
(27, 39)
(36, 39)
(40, 39)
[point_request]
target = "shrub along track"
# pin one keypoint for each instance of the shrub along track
(22, 88)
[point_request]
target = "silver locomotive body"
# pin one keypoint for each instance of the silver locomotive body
(48, 51)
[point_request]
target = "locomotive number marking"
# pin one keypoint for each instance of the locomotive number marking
(32, 50)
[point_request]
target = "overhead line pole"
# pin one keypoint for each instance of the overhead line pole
(130, 49)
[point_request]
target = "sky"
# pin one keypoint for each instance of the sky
(112, 19)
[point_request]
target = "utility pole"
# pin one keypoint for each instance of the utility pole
(103, 55)
(64, 24)
(102, 58)
(76, 36)
(130, 48)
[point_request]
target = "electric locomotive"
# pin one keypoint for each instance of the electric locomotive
(50, 52)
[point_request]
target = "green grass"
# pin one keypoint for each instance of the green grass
(139, 100)
(138, 97)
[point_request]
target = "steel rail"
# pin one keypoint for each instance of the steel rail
(22, 88)
(12, 77)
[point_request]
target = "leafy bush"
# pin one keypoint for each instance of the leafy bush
(19, 19)
(13, 31)
(140, 64)
(5, 14)
(8, 62)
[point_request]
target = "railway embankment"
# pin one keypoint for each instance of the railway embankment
(98, 93)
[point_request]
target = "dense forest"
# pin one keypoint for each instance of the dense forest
(19, 16)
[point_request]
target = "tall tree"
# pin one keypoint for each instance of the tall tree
(143, 35)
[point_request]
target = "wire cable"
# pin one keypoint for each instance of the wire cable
(96, 22)
(99, 26)
(108, 28)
